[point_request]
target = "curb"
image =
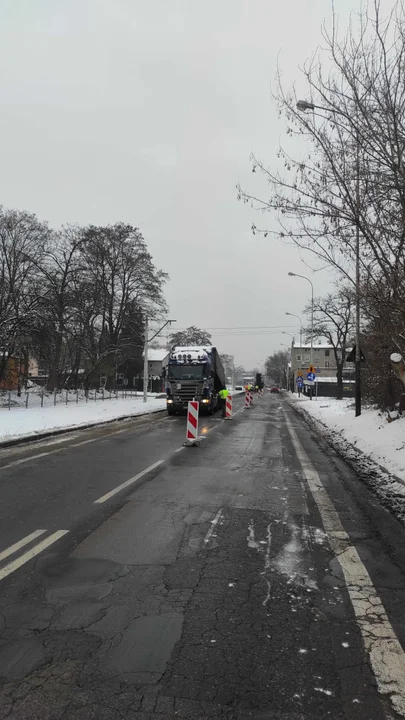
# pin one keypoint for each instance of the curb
(25, 439)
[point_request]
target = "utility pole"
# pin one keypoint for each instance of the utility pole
(145, 362)
(357, 365)
(145, 354)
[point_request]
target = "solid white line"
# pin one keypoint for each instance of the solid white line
(386, 655)
(214, 523)
(13, 566)
(127, 483)
(20, 544)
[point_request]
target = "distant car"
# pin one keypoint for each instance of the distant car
(275, 389)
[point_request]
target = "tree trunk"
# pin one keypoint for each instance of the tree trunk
(53, 379)
(339, 377)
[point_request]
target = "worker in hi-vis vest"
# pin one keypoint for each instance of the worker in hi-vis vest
(223, 394)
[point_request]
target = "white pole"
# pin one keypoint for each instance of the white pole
(145, 363)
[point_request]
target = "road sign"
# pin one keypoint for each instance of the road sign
(311, 369)
(311, 376)
(300, 382)
(352, 355)
(299, 373)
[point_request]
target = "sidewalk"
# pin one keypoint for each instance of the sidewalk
(19, 423)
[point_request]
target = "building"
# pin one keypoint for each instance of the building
(158, 358)
(324, 362)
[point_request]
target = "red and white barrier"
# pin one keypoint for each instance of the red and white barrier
(228, 407)
(248, 399)
(192, 420)
(192, 436)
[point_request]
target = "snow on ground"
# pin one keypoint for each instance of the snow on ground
(56, 414)
(371, 444)
(21, 422)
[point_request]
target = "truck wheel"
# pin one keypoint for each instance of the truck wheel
(170, 411)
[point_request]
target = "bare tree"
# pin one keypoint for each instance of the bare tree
(359, 134)
(191, 336)
(276, 367)
(23, 242)
(334, 320)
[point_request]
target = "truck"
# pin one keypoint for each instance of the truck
(194, 373)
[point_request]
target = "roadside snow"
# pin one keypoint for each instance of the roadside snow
(370, 433)
(19, 422)
(372, 445)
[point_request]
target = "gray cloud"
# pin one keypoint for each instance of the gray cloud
(146, 111)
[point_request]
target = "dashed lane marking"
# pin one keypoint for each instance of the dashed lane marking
(127, 483)
(385, 652)
(30, 554)
(20, 544)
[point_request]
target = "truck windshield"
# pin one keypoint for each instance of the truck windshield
(186, 372)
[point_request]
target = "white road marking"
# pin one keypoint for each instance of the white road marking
(238, 411)
(179, 449)
(86, 442)
(20, 544)
(385, 652)
(214, 523)
(127, 483)
(26, 459)
(30, 554)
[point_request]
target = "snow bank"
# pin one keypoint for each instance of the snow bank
(19, 422)
(372, 445)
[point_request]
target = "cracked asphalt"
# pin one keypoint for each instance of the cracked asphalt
(208, 591)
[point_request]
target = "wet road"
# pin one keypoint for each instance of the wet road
(252, 577)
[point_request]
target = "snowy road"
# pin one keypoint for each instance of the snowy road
(252, 577)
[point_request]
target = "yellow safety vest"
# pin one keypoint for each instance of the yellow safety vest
(223, 394)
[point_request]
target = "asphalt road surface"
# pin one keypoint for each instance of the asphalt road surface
(254, 576)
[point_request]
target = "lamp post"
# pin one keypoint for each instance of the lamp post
(291, 358)
(305, 105)
(304, 277)
(297, 316)
(286, 374)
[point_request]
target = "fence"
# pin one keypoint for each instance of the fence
(9, 400)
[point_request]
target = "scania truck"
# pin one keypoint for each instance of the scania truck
(194, 373)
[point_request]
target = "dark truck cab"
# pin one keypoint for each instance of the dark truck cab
(194, 373)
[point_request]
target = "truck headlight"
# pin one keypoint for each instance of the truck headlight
(205, 401)
(169, 401)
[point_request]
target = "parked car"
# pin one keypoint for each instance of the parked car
(275, 389)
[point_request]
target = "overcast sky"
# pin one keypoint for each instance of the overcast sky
(146, 111)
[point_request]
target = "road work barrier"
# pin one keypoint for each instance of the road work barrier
(248, 400)
(192, 436)
(228, 408)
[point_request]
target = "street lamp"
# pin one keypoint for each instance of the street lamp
(304, 277)
(297, 316)
(304, 105)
